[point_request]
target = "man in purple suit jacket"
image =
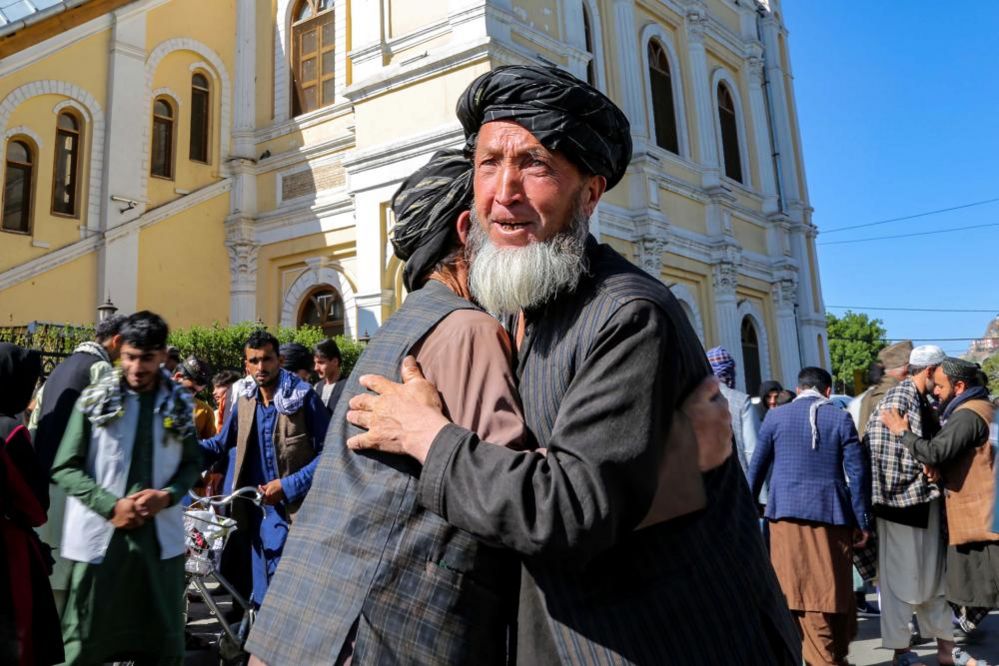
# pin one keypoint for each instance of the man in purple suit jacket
(818, 507)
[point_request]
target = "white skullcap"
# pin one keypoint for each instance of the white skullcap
(925, 355)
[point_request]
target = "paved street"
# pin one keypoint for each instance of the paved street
(866, 649)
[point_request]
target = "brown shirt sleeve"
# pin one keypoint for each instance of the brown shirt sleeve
(468, 357)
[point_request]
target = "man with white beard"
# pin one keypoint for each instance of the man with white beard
(630, 554)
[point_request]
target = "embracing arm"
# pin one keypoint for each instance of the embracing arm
(598, 476)
(964, 429)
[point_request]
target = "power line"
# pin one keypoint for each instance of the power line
(918, 339)
(893, 309)
(910, 217)
(923, 233)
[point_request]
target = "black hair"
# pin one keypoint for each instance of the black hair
(784, 397)
(328, 349)
(109, 328)
(296, 357)
(260, 339)
(876, 372)
(145, 330)
(816, 378)
(226, 378)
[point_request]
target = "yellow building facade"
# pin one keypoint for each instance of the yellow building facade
(232, 160)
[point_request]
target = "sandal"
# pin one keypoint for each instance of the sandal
(908, 659)
(962, 658)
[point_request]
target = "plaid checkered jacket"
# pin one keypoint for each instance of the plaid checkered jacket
(362, 549)
(897, 479)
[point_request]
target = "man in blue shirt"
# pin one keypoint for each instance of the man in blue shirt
(277, 425)
(818, 510)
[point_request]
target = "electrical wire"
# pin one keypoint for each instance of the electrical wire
(912, 235)
(894, 309)
(910, 217)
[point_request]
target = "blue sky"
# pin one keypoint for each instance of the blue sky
(899, 110)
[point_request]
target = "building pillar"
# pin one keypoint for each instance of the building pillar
(753, 69)
(707, 142)
(242, 248)
(725, 277)
(244, 83)
(785, 293)
(780, 110)
(118, 258)
(371, 298)
(629, 71)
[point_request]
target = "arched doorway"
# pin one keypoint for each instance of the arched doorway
(750, 356)
(322, 307)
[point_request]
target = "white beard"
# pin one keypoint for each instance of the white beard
(505, 280)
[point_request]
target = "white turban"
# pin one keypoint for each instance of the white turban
(926, 355)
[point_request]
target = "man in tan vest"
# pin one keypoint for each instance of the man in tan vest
(895, 359)
(277, 426)
(962, 452)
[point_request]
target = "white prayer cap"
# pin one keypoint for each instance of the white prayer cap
(926, 355)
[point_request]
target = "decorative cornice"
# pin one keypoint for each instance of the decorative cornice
(437, 62)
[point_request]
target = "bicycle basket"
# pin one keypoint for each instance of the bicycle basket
(206, 535)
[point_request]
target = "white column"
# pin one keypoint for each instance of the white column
(785, 294)
(780, 109)
(367, 25)
(707, 142)
(244, 82)
(629, 70)
(725, 277)
(242, 248)
(371, 258)
(761, 130)
(118, 259)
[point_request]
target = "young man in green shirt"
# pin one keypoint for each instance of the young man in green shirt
(129, 454)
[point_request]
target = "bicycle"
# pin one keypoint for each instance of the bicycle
(206, 535)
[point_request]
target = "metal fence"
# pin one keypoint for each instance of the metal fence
(53, 341)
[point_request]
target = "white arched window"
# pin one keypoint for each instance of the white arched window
(730, 128)
(664, 105)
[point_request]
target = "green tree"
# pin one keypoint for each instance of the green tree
(991, 368)
(854, 342)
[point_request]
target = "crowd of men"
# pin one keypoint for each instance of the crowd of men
(532, 461)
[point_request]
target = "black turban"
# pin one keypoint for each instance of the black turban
(426, 207)
(562, 112)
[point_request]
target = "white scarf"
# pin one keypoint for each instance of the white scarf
(813, 411)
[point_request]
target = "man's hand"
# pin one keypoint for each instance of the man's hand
(894, 421)
(272, 492)
(932, 474)
(708, 412)
(415, 402)
(126, 516)
(149, 502)
(860, 538)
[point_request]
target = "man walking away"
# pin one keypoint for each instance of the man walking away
(745, 417)
(53, 407)
(818, 502)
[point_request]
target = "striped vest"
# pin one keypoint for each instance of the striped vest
(635, 602)
(362, 549)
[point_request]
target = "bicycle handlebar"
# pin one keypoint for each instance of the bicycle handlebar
(249, 493)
